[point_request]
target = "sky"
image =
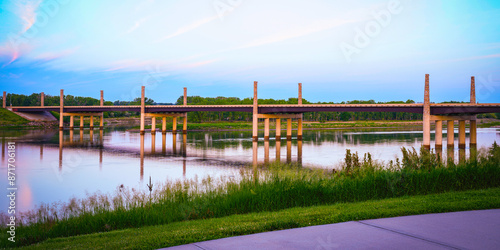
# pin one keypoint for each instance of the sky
(338, 50)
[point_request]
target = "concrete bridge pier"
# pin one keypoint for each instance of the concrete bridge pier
(266, 129)
(61, 110)
(164, 125)
(289, 129)
(91, 122)
(71, 122)
(473, 124)
(450, 133)
(278, 129)
(174, 124)
(81, 122)
(439, 135)
(142, 111)
(461, 134)
(153, 125)
(255, 123)
(299, 128)
(427, 114)
(184, 122)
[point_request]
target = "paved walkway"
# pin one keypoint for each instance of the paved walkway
(458, 230)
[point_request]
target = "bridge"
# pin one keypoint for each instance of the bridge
(438, 113)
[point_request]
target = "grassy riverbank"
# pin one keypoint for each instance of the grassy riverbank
(265, 189)
(10, 119)
(185, 232)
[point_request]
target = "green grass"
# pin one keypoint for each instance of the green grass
(201, 230)
(8, 118)
(488, 124)
(272, 188)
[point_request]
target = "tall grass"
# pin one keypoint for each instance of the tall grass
(267, 188)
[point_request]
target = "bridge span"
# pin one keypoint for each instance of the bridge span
(431, 112)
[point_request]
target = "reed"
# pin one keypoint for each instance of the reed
(266, 188)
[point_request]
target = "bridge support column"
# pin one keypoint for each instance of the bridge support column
(61, 105)
(101, 121)
(42, 99)
(473, 133)
(427, 113)
(278, 129)
(174, 125)
(185, 123)
(91, 122)
(461, 134)
(255, 123)
(473, 125)
(4, 105)
(439, 134)
(81, 122)
(142, 110)
(299, 128)
(450, 133)
(266, 129)
(164, 125)
(153, 125)
(289, 129)
(71, 122)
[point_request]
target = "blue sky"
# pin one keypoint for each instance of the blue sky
(339, 50)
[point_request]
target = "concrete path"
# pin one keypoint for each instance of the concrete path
(458, 230)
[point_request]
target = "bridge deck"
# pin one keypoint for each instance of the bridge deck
(436, 109)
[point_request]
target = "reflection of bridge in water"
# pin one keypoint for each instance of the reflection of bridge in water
(175, 146)
(87, 139)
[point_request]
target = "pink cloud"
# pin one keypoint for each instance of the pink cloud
(189, 27)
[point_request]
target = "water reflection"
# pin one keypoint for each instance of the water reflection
(163, 151)
(277, 147)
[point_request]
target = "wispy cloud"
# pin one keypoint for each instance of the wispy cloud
(189, 27)
(297, 32)
(51, 55)
(136, 25)
(26, 10)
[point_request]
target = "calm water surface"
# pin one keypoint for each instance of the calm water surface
(54, 166)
